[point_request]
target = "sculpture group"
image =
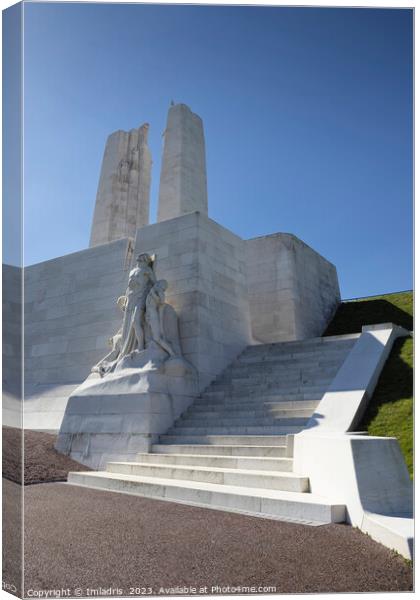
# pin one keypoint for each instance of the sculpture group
(145, 321)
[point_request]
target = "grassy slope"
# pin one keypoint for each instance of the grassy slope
(394, 308)
(390, 411)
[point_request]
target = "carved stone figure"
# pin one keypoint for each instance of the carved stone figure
(155, 303)
(135, 153)
(140, 282)
(131, 335)
(148, 339)
(124, 170)
(109, 361)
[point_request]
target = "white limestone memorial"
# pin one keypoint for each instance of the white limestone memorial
(181, 352)
(228, 292)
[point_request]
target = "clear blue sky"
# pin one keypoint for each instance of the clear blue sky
(307, 115)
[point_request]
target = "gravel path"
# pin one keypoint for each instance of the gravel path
(12, 537)
(42, 462)
(83, 539)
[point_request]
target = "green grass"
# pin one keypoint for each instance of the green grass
(390, 410)
(350, 316)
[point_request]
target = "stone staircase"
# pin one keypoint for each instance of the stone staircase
(229, 450)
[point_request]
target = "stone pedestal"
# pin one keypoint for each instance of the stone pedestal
(114, 417)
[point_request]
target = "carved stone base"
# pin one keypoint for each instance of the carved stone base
(112, 418)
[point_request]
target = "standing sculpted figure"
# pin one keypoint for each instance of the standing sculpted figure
(124, 170)
(140, 281)
(149, 326)
(154, 315)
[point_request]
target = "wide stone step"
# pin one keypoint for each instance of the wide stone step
(232, 430)
(275, 380)
(294, 506)
(238, 421)
(291, 367)
(338, 341)
(255, 389)
(323, 343)
(227, 407)
(286, 375)
(278, 377)
(220, 461)
(274, 377)
(281, 387)
(299, 346)
(273, 413)
(310, 367)
(291, 357)
(236, 450)
(261, 398)
(250, 384)
(290, 364)
(288, 482)
(268, 389)
(225, 440)
(301, 355)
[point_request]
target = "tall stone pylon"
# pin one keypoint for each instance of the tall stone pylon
(123, 197)
(183, 178)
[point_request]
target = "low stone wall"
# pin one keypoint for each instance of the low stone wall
(70, 313)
